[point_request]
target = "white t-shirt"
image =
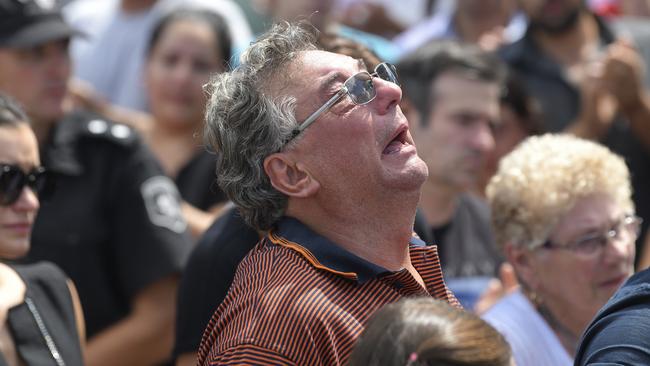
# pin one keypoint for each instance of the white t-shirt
(112, 55)
(532, 341)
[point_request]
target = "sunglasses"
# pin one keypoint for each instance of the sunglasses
(359, 87)
(13, 180)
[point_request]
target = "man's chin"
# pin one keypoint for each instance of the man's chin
(413, 178)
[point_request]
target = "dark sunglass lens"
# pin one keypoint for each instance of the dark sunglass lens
(12, 181)
(41, 183)
(361, 89)
(387, 72)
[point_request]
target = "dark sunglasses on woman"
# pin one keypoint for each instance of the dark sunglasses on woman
(13, 180)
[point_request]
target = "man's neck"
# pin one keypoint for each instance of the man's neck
(438, 202)
(574, 45)
(378, 233)
(135, 6)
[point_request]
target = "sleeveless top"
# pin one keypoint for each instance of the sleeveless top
(47, 288)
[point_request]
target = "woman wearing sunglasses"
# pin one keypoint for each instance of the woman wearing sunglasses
(40, 316)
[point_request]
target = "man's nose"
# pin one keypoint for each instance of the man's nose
(388, 96)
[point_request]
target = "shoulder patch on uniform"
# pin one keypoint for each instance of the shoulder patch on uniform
(163, 203)
(116, 132)
(97, 126)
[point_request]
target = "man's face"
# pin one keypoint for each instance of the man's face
(553, 16)
(37, 78)
(458, 134)
(353, 150)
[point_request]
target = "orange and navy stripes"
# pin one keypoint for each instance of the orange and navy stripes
(307, 303)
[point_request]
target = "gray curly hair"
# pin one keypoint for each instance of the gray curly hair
(246, 122)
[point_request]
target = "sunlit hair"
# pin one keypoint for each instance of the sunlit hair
(247, 119)
(541, 180)
(425, 331)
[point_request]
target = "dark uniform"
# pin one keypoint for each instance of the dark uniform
(114, 223)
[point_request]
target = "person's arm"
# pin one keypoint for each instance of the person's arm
(187, 359)
(597, 106)
(149, 246)
(497, 288)
(78, 316)
(198, 221)
(623, 77)
(145, 336)
(82, 95)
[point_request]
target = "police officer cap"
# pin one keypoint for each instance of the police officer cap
(28, 23)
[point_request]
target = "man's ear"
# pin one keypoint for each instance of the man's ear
(292, 179)
(523, 262)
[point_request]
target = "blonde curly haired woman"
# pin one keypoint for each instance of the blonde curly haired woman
(563, 216)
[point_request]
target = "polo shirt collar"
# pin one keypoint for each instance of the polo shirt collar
(324, 254)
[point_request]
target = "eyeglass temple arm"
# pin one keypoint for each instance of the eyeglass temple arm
(314, 116)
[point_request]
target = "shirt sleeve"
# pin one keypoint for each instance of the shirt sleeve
(150, 238)
(620, 338)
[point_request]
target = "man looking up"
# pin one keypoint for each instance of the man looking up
(113, 224)
(315, 149)
(453, 95)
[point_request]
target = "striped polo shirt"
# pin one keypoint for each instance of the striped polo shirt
(300, 299)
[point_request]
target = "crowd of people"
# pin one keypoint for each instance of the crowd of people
(294, 182)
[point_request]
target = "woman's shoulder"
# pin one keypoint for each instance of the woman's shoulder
(45, 280)
(45, 272)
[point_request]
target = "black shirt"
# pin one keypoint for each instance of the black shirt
(114, 223)
(618, 335)
(208, 276)
(466, 244)
(196, 181)
(48, 290)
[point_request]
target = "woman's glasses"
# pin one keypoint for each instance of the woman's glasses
(13, 180)
(359, 87)
(591, 244)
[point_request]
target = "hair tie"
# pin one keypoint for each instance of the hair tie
(413, 358)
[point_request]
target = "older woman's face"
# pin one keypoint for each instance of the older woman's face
(575, 285)
(179, 65)
(18, 147)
